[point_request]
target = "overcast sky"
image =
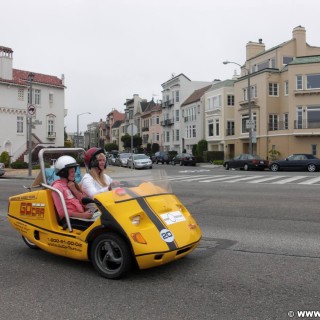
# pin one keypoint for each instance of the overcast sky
(109, 50)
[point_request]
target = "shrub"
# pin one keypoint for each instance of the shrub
(19, 165)
(5, 158)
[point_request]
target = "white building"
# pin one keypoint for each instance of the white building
(47, 113)
(175, 92)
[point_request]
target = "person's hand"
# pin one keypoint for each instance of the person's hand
(88, 214)
(114, 184)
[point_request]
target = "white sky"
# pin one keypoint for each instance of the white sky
(109, 50)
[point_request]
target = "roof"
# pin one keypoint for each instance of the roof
(196, 95)
(20, 77)
(305, 60)
(117, 124)
(175, 77)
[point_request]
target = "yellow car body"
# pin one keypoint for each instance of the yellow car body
(143, 222)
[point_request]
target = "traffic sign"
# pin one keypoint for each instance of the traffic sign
(250, 124)
(31, 110)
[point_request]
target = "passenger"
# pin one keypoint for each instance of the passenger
(95, 181)
(65, 168)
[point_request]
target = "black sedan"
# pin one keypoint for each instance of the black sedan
(246, 162)
(184, 159)
(298, 161)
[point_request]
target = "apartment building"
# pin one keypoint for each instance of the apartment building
(47, 111)
(175, 91)
(284, 99)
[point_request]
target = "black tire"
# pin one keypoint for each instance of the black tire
(110, 256)
(274, 167)
(181, 163)
(29, 243)
(227, 166)
(245, 167)
(312, 167)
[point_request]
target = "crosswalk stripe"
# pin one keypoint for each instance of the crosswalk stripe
(289, 180)
(311, 181)
(220, 179)
(244, 179)
(265, 179)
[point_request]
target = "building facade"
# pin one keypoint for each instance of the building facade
(45, 107)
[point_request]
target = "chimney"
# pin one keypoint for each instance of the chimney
(6, 63)
(254, 48)
(299, 35)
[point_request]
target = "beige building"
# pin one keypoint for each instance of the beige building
(284, 96)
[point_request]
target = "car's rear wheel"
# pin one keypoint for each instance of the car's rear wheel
(274, 167)
(227, 166)
(110, 256)
(246, 167)
(311, 167)
(29, 243)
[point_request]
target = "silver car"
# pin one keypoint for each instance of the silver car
(2, 170)
(139, 161)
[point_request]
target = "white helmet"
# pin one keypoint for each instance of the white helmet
(62, 165)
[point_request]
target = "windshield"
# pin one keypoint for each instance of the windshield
(140, 156)
(143, 185)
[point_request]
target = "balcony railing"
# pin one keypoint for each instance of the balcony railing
(230, 132)
(51, 135)
(167, 103)
(167, 122)
(144, 129)
(280, 125)
(305, 124)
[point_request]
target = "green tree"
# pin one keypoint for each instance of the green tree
(111, 146)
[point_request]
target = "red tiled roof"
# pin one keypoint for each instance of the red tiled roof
(21, 77)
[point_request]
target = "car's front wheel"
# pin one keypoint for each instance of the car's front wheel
(274, 167)
(29, 243)
(246, 167)
(110, 256)
(311, 167)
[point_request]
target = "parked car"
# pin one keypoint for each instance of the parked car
(121, 159)
(111, 158)
(246, 162)
(2, 170)
(139, 161)
(297, 161)
(184, 159)
(161, 156)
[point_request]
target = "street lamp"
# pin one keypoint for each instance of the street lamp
(249, 103)
(29, 117)
(78, 115)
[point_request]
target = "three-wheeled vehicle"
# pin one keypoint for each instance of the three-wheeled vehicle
(139, 222)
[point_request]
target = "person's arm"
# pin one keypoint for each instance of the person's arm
(76, 192)
(89, 187)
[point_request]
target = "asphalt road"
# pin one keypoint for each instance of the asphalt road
(259, 259)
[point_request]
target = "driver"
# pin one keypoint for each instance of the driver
(65, 168)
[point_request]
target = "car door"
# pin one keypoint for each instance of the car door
(235, 162)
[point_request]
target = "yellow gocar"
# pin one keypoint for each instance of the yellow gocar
(140, 222)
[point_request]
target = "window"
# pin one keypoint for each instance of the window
(210, 128)
(177, 134)
(177, 115)
(167, 136)
(216, 102)
(21, 94)
(286, 88)
(50, 97)
(313, 116)
(230, 128)
(177, 96)
(313, 81)
(19, 124)
(157, 136)
(253, 92)
(273, 122)
(273, 89)
(286, 121)
(299, 118)
(299, 82)
(230, 100)
(157, 120)
(50, 125)
(217, 127)
(37, 93)
(286, 60)
(314, 149)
